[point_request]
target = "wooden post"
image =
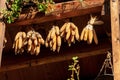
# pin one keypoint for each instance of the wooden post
(115, 29)
(2, 28)
(2, 6)
(2, 32)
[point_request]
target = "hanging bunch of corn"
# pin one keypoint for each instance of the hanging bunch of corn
(69, 32)
(88, 33)
(19, 42)
(34, 41)
(53, 39)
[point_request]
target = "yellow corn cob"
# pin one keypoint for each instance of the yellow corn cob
(63, 27)
(90, 36)
(16, 46)
(72, 38)
(39, 40)
(29, 41)
(38, 35)
(86, 35)
(95, 37)
(23, 34)
(73, 26)
(76, 33)
(20, 42)
(82, 34)
(54, 46)
(29, 48)
(62, 34)
(35, 42)
(54, 39)
(68, 34)
(57, 30)
(33, 36)
(67, 27)
(18, 35)
(52, 33)
(42, 41)
(73, 32)
(32, 51)
(51, 44)
(59, 41)
(46, 44)
(48, 36)
(29, 34)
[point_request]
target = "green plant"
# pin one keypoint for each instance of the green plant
(75, 68)
(14, 8)
(42, 7)
(13, 11)
(45, 6)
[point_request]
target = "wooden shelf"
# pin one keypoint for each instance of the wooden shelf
(63, 55)
(68, 13)
(81, 50)
(52, 59)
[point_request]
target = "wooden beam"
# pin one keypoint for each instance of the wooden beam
(73, 13)
(115, 37)
(2, 33)
(52, 59)
(2, 28)
(2, 6)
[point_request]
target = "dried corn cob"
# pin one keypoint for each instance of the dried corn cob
(69, 32)
(53, 39)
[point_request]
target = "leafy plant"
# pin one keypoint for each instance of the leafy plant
(75, 68)
(46, 6)
(42, 7)
(14, 9)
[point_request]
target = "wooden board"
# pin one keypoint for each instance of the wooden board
(115, 27)
(2, 29)
(2, 33)
(72, 9)
(89, 68)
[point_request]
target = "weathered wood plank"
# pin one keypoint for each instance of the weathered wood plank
(62, 10)
(84, 11)
(119, 7)
(2, 6)
(2, 33)
(2, 28)
(115, 37)
(50, 59)
(2, 76)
